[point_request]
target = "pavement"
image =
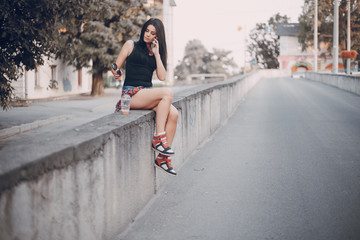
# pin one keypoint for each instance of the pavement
(66, 113)
(286, 165)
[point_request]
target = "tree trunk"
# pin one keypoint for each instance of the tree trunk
(97, 85)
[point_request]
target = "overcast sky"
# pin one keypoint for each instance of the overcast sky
(215, 23)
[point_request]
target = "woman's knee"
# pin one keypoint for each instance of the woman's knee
(167, 94)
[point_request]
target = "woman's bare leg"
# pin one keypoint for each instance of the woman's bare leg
(158, 99)
(171, 123)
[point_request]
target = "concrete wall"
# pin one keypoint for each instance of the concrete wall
(90, 183)
(345, 82)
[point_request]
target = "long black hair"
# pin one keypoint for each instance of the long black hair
(160, 33)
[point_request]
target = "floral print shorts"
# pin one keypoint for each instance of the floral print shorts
(131, 91)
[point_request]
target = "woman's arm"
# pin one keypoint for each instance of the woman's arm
(124, 53)
(160, 69)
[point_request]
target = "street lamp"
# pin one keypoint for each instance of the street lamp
(336, 37)
(348, 37)
(316, 36)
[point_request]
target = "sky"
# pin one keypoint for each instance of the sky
(215, 23)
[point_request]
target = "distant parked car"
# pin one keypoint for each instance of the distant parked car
(298, 74)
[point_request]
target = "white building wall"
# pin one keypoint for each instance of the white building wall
(67, 78)
(289, 46)
(19, 87)
(291, 54)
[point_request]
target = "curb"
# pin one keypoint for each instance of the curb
(12, 131)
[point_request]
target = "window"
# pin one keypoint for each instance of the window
(53, 83)
(53, 72)
(37, 78)
(80, 77)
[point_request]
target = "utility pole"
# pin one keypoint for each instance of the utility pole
(245, 49)
(348, 37)
(336, 38)
(168, 24)
(316, 37)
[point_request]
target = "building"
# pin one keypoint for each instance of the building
(292, 59)
(52, 80)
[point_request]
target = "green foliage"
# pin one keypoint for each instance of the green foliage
(25, 37)
(98, 33)
(28, 33)
(325, 24)
(197, 59)
(76, 31)
(264, 43)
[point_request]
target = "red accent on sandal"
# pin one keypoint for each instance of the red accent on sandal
(160, 144)
(160, 139)
(161, 161)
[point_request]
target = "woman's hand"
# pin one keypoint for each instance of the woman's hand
(117, 76)
(155, 47)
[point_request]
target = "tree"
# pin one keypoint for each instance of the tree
(77, 31)
(28, 33)
(24, 40)
(326, 23)
(221, 62)
(264, 45)
(98, 35)
(197, 59)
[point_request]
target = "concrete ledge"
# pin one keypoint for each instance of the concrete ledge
(345, 82)
(12, 131)
(91, 182)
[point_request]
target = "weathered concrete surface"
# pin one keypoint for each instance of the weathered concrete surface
(81, 185)
(91, 182)
(345, 82)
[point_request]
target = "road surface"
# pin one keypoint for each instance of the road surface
(286, 165)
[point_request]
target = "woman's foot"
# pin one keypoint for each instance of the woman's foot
(164, 163)
(160, 145)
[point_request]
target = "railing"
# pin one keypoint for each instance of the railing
(205, 77)
(349, 83)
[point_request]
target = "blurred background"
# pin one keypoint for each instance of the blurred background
(51, 49)
(225, 24)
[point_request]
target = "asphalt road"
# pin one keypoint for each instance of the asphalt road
(286, 165)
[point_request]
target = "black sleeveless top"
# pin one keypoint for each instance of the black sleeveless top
(139, 67)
